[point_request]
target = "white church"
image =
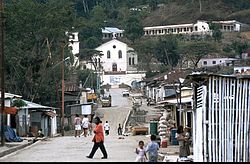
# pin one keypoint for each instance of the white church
(116, 65)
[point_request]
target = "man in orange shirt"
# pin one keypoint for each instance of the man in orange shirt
(98, 140)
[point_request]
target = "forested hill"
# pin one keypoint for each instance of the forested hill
(162, 12)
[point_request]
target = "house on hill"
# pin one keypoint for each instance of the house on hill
(111, 32)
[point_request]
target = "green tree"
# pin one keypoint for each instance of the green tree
(216, 32)
(33, 34)
(166, 51)
(238, 47)
(133, 28)
(153, 4)
(145, 49)
(196, 50)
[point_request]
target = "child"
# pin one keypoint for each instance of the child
(152, 149)
(106, 128)
(141, 153)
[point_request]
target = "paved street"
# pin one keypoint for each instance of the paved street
(69, 148)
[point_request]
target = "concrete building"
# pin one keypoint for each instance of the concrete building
(198, 28)
(229, 26)
(111, 32)
(213, 61)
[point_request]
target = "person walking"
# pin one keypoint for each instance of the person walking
(119, 129)
(141, 153)
(152, 149)
(106, 128)
(85, 125)
(77, 123)
(98, 140)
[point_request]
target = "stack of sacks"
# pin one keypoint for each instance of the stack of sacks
(162, 128)
(165, 124)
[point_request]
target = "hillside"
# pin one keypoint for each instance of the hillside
(177, 12)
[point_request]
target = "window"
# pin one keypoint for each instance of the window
(214, 62)
(114, 46)
(129, 61)
(133, 61)
(205, 62)
(119, 54)
(108, 54)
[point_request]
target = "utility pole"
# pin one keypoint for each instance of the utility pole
(2, 73)
(62, 72)
(180, 106)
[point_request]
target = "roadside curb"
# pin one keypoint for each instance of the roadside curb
(11, 150)
(19, 147)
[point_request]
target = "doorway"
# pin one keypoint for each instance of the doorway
(114, 67)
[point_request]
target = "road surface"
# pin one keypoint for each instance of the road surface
(71, 149)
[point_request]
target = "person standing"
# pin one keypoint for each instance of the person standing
(85, 125)
(98, 140)
(106, 128)
(187, 139)
(183, 140)
(119, 129)
(141, 153)
(152, 149)
(77, 123)
(90, 128)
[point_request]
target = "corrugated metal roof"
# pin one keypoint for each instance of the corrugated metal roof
(204, 74)
(31, 105)
(111, 30)
(10, 95)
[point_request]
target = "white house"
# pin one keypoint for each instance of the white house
(241, 69)
(208, 62)
(37, 117)
(7, 103)
(111, 32)
(117, 64)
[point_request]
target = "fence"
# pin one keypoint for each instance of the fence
(222, 113)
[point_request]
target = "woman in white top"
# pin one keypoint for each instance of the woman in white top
(77, 123)
(85, 125)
